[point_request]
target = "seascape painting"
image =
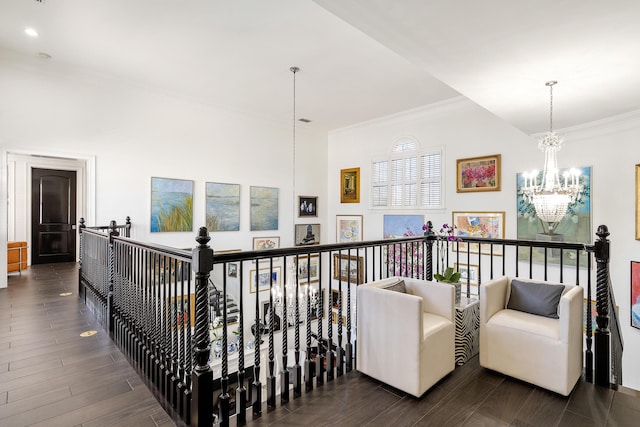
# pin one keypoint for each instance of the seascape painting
(171, 205)
(264, 208)
(223, 206)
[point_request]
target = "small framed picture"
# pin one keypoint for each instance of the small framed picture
(478, 174)
(307, 234)
(468, 272)
(307, 206)
(261, 243)
(308, 271)
(264, 278)
(478, 224)
(334, 318)
(348, 268)
(348, 228)
(350, 185)
(232, 269)
(335, 298)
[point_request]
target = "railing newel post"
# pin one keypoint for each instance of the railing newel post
(81, 228)
(202, 374)
(113, 232)
(602, 333)
(429, 238)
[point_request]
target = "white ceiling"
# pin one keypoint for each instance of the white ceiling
(359, 59)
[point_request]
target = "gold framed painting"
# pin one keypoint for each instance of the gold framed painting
(478, 174)
(350, 185)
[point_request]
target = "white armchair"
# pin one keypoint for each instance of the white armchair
(541, 350)
(406, 340)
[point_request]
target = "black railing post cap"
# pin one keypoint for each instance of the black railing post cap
(202, 259)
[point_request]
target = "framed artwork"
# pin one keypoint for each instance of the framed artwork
(350, 185)
(335, 298)
(395, 226)
(184, 311)
(264, 208)
(635, 294)
(346, 268)
(348, 228)
(265, 278)
(478, 174)
(307, 234)
(317, 309)
(307, 206)
(232, 269)
(222, 206)
(266, 312)
(171, 205)
(637, 202)
(308, 271)
(334, 318)
(575, 227)
(468, 272)
(262, 243)
(478, 224)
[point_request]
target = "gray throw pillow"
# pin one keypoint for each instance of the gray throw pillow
(535, 298)
(398, 286)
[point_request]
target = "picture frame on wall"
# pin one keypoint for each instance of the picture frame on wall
(478, 224)
(478, 174)
(222, 206)
(635, 294)
(335, 298)
(263, 243)
(307, 206)
(263, 211)
(468, 272)
(308, 269)
(350, 185)
(348, 268)
(171, 205)
(348, 228)
(307, 234)
(263, 283)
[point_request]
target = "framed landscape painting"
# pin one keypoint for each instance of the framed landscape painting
(635, 294)
(265, 278)
(222, 206)
(308, 271)
(348, 228)
(261, 243)
(348, 268)
(478, 174)
(171, 205)
(264, 208)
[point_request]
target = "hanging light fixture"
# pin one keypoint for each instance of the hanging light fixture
(551, 196)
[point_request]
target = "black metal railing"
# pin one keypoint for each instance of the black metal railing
(298, 305)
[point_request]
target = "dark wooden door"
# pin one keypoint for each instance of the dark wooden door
(53, 216)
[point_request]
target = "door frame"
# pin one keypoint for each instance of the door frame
(16, 185)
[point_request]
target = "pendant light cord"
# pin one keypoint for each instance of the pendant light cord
(294, 70)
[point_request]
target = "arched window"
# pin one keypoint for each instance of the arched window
(408, 178)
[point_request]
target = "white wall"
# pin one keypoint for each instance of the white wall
(467, 130)
(135, 134)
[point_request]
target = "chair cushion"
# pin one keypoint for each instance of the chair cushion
(518, 322)
(535, 298)
(432, 323)
(398, 286)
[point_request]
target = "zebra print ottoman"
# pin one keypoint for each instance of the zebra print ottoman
(467, 343)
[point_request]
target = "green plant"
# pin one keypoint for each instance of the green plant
(449, 276)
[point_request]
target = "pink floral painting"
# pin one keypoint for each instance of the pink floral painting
(478, 174)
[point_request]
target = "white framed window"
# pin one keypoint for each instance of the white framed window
(408, 178)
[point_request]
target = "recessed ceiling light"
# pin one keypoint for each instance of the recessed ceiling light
(303, 120)
(31, 32)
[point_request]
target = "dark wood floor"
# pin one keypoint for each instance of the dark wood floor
(51, 376)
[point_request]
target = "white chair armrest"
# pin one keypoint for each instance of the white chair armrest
(570, 312)
(437, 298)
(493, 297)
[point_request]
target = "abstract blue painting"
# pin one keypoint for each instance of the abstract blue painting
(222, 206)
(264, 208)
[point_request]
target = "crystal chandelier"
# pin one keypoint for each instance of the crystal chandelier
(288, 296)
(550, 195)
